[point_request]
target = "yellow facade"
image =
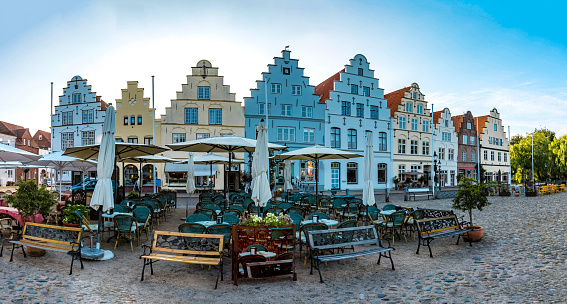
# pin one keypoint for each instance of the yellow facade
(204, 107)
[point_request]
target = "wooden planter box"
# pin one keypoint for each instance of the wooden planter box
(244, 236)
(504, 193)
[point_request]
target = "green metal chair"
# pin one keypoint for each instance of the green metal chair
(395, 225)
(126, 228)
(230, 219)
(321, 215)
(143, 217)
(197, 217)
(192, 228)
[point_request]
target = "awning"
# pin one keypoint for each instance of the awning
(200, 170)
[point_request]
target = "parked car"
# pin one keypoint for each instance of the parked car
(89, 185)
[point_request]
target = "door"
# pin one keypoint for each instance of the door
(335, 175)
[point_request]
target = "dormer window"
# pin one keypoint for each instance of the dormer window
(414, 95)
(468, 125)
(204, 92)
(40, 137)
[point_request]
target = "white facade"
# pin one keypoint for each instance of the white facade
(445, 144)
(7, 174)
(494, 148)
(355, 107)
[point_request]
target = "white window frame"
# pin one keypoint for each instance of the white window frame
(414, 124)
(306, 112)
(296, 90)
(276, 88)
(401, 146)
(204, 92)
(402, 122)
(308, 135)
(285, 110)
(191, 116)
(286, 134)
(88, 116)
(425, 148)
(178, 137)
(88, 138)
(215, 116)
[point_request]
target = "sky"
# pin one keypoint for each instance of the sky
(465, 55)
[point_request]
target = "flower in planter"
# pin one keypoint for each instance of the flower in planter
(270, 220)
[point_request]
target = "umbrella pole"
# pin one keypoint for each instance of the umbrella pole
(316, 180)
(210, 177)
(227, 179)
(123, 182)
(140, 176)
(59, 185)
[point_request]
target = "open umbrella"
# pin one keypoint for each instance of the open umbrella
(287, 176)
(316, 153)
(226, 143)
(368, 188)
(260, 183)
(9, 154)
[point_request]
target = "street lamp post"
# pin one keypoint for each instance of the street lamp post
(436, 165)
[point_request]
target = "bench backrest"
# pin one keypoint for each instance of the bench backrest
(432, 225)
(417, 189)
(187, 243)
(333, 238)
(433, 213)
(66, 236)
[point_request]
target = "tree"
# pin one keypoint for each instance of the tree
(471, 195)
(559, 150)
(516, 139)
(548, 133)
(543, 160)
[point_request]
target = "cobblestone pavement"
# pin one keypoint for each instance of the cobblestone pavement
(520, 260)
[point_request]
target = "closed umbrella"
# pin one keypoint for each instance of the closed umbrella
(368, 186)
(190, 179)
(287, 176)
(260, 183)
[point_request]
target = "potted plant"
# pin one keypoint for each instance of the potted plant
(70, 219)
(133, 195)
(30, 200)
(471, 195)
(503, 190)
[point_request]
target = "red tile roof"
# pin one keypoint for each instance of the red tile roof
(481, 124)
(436, 116)
(395, 99)
(457, 122)
(9, 129)
(324, 88)
(45, 141)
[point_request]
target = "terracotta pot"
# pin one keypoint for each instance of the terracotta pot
(71, 225)
(34, 252)
(475, 235)
(517, 194)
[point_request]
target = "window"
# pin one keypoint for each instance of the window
(40, 137)
(132, 120)
(203, 135)
(491, 155)
(88, 138)
(473, 157)
(286, 134)
(335, 138)
(401, 146)
(401, 171)
(425, 148)
(382, 141)
(441, 153)
(125, 120)
(204, 92)
(425, 125)
(472, 140)
(413, 146)
(178, 137)
(495, 127)
(465, 140)
(67, 140)
(307, 170)
(469, 125)
(359, 110)
(286, 110)
(366, 91)
(67, 118)
(499, 156)
(77, 98)
(446, 123)
(262, 108)
(276, 88)
(414, 95)
(485, 155)
(409, 107)
(359, 72)
(191, 116)
(308, 135)
(419, 109)
(414, 124)
(306, 112)
(505, 156)
(354, 89)
(446, 136)
(215, 116)
(139, 119)
(119, 139)
(374, 112)
(451, 154)
(464, 156)
(24, 140)
(345, 108)
(286, 71)
(133, 140)
(381, 173)
(401, 122)
(296, 90)
(351, 138)
(148, 140)
(352, 173)
(88, 116)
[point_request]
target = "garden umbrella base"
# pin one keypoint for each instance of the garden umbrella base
(96, 254)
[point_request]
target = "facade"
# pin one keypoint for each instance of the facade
(445, 143)
(467, 157)
(412, 143)
(7, 174)
(295, 116)
(494, 148)
(77, 120)
(356, 108)
(21, 138)
(204, 107)
(134, 124)
(43, 141)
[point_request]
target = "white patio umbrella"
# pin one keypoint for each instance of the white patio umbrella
(287, 176)
(316, 153)
(211, 158)
(368, 183)
(190, 179)
(260, 183)
(10, 154)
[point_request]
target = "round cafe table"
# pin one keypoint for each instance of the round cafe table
(266, 254)
(324, 221)
(209, 223)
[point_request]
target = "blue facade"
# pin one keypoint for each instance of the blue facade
(295, 116)
(355, 107)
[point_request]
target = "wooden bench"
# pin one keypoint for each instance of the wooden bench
(413, 192)
(321, 241)
(430, 229)
(189, 248)
(50, 237)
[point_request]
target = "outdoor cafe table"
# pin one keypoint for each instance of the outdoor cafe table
(347, 198)
(323, 221)
(116, 213)
(266, 254)
(15, 214)
(210, 223)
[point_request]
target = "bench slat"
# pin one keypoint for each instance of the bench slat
(183, 259)
(347, 255)
(44, 246)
